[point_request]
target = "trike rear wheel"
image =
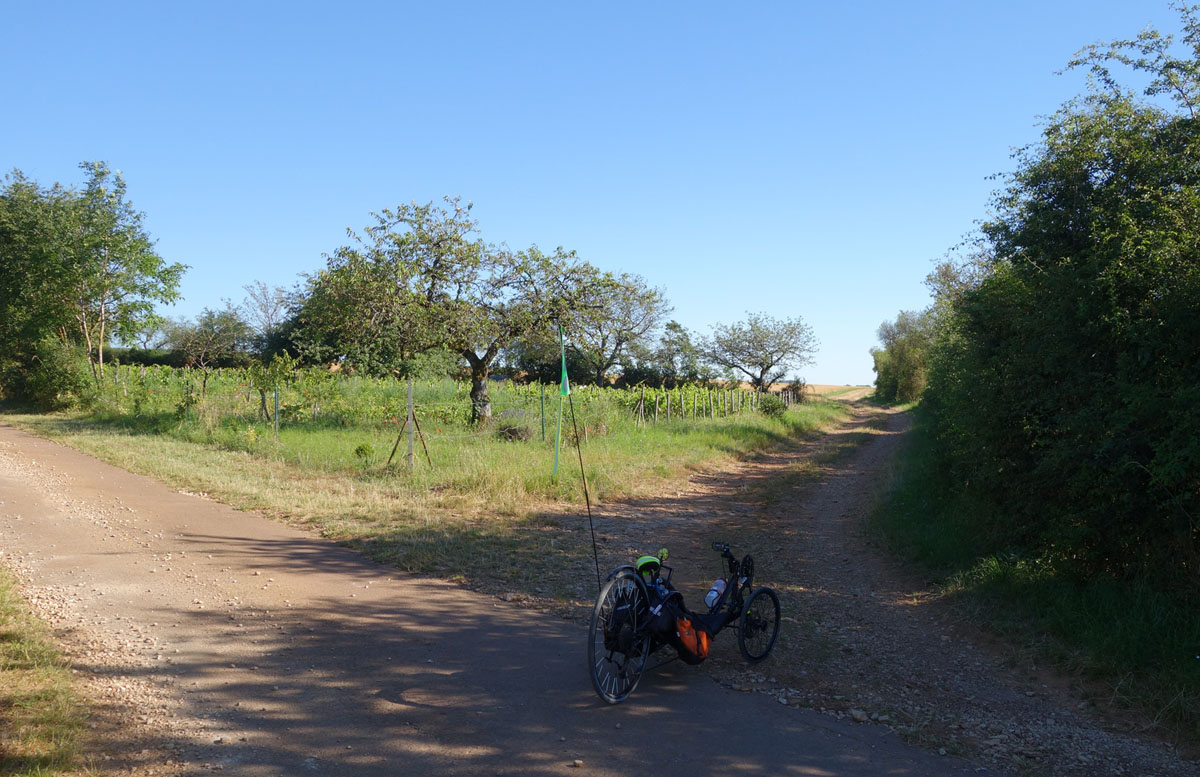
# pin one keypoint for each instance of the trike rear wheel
(618, 643)
(759, 625)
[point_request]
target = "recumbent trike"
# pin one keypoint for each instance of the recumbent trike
(639, 612)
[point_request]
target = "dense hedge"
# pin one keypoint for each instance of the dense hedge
(1065, 387)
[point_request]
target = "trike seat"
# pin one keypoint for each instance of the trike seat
(669, 601)
(712, 622)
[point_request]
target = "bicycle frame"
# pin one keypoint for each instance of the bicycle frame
(629, 623)
(738, 584)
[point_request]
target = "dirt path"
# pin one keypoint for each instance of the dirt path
(219, 641)
(865, 638)
(222, 641)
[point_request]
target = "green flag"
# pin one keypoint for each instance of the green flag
(566, 384)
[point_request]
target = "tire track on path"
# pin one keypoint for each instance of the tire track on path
(215, 640)
(864, 638)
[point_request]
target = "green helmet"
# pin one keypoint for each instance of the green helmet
(648, 565)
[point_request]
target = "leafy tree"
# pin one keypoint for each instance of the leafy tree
(76, 265)
(420, 279)
(622, 312)
(1063, 384)
(214, 337)
(266, 309)
(676, 360)
(514, 295)
(115, 276)
(900, 366)
(34, 230)
(762, 348)
(537, 357)
(395, 291)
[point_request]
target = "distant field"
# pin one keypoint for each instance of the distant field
(822, 389)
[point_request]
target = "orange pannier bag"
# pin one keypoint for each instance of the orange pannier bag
(693, 639)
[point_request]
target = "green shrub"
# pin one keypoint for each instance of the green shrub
(512, 431)
(771, 406)
(56, 377)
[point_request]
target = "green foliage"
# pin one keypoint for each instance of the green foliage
(677, 360)
(365, 453)
(621, 312)
(215, 336)
(900, 366)
(1127, 633)
(56, 377)
(539, 360)
(762, 348)
(34, 231)
(183, 409)
(157, 398)
(771, 406)
(1063, 382)
(115, 275)
(420, 280)
(77, 265)
(392, 294)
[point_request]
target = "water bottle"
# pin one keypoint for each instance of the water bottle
(714, 593)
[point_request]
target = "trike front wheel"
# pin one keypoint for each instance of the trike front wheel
(618, 643)
(759, 625)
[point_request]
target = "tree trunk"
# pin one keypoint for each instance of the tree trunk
(87, 342)
(481, 403)
(100, 339)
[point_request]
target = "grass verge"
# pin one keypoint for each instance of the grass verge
(42, 723)
(1130, 648)
(483, 507)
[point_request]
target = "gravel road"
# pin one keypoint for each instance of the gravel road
(215, 640)
(865, 638)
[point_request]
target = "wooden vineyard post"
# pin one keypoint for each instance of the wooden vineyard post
(408, 420)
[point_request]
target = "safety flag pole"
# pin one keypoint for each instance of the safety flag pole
(586, 498)
(565, 391)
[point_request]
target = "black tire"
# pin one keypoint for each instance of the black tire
(618, 644)
(746, 571)
(759, 626)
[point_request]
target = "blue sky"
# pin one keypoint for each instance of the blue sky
(795, 159)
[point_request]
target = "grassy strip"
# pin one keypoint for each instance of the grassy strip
(1129, 646)
(484, 506)
(41, 721)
